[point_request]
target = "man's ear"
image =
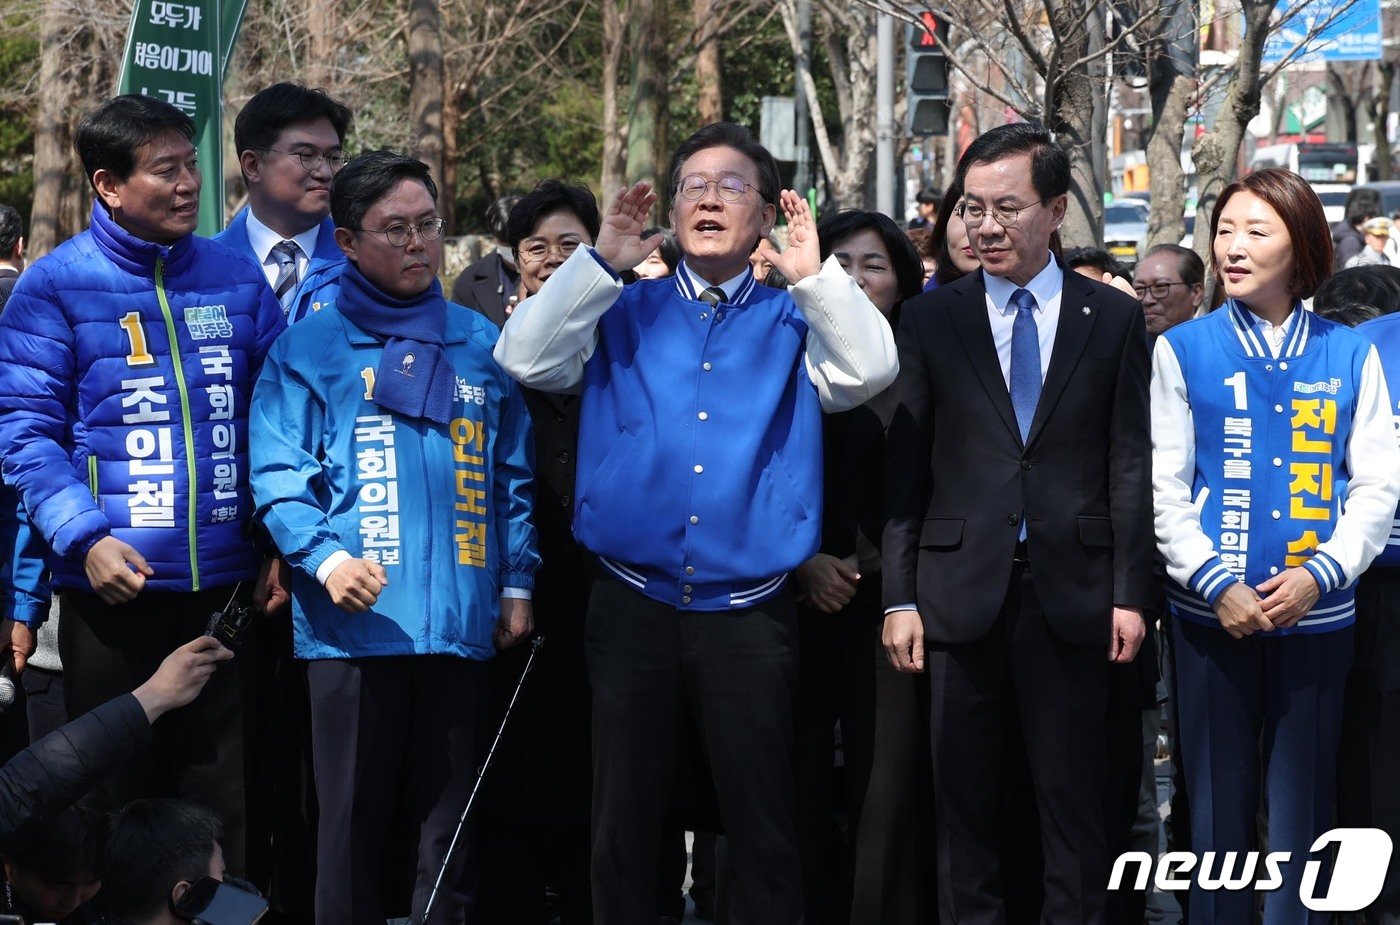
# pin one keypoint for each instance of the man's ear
(19, 249)
(346, 239)
(106, 186)
(770, 215)
(178, 891)
(251, 165)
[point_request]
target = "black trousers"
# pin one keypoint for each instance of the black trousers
(1019, 671)
(199, 752)
(44, 707)
(874, 868)
(394, 737)
(737, 670)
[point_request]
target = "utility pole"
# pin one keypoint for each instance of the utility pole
(884, 115)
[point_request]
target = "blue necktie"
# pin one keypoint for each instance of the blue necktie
(285, 255)
(1025, 368)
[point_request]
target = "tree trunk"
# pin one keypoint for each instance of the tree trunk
(1380, 117)
(1343, 97)
(53, 151)
(322, 18)
(1216, 153)
(709, 102)
(447, 200)
(648, 42)
(1165, 225)
(425, 92)
(1070, 104)
(614, 139)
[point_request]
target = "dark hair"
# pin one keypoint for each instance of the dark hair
(836, 227)
(271, 110)
(946, 270)
(928, 196)
(729, 135)
(1099, 259)
(548, 197)
(111, 136)
(1298, 207)
(369, 178)
(1375, 287)
(11, 230)
(1049, 162)
(922, 239)
(670, 248)
(60, 847)
(498, 214)
(1189, 263)
(153, 845)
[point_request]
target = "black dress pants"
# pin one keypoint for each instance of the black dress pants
(737, 670)
(1021, 670)
(394, 737)
(198, 752)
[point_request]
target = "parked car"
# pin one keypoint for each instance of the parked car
(1125, 229)
(1334, 199)
(1379, 198)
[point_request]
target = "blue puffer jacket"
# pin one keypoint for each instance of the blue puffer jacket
(126, 371)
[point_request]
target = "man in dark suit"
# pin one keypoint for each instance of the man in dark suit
(492, 284)
(1018, 554)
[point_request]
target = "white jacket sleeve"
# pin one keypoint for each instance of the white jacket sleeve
(850, 351)
(1190, 555)
(1373, 462)
(550, 336)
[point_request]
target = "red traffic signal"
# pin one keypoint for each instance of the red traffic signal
(922, 36)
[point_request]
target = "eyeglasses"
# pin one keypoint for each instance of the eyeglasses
(398, 235)
(973, 215)
(1158, 290)
(310, 160)
(730, 189)
(538, 251)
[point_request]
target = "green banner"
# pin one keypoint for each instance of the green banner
(175, 52)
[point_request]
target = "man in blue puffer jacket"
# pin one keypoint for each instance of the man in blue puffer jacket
(127, 359)
(393, 471)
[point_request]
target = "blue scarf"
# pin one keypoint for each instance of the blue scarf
(415, 378)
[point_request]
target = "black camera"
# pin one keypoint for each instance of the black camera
(228, 624)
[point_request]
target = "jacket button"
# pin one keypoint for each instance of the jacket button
(686, 589)
(690, 570)
(686, 599)
(1012, 519)
(565, 501)
(694, 519)
(563, 458)
(1025, 464)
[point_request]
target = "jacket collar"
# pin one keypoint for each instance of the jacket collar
(133, 254)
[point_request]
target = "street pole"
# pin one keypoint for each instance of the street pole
(802, 179)
(884, 116)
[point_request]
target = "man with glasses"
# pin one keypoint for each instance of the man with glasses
(699, 488)
(290, 142)
(392, 469)
(1018, 555)
(1170, 283)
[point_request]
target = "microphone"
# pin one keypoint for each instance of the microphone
(7, 685)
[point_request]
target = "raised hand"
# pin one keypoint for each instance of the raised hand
(803, 257)
(620, 241)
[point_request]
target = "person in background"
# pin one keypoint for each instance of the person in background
(11, 250)
(1274, 465)
(880, 867)
(927, 201)
(291, 142)
(922, 239)
(393, 472)
(156, 851)
(53, 868)
(1170, 283)
(663, 261)
(1377, 236)
(1095, 262)
(1348, 239)
(758, 262)
(952, 249)
(1368, 758)
(491, 284)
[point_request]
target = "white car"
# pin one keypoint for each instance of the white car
(1334, 200)
(1125, 229)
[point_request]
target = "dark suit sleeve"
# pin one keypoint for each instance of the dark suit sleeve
(1130, 471)
(907, 447)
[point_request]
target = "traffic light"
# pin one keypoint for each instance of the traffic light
(929, 109)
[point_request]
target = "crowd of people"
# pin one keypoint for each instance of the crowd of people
(869, 559)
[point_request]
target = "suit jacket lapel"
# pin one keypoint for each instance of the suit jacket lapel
(970, 321)
(1077, 317)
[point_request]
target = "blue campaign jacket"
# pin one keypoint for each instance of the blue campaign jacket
(1384, 332)
(312, 293)
(126, 371)
(445, 509)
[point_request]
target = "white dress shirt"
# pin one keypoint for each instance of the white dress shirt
(1047, 287)
(730, 286)
(1275, 336)
(263, 239)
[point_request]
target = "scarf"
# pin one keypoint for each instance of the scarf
(415, 378)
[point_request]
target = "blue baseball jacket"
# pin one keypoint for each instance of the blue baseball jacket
(1384, 332)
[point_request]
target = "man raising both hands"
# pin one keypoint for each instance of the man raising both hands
(699, 488)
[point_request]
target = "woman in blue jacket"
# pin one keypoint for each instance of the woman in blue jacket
(391, 466)
(1266, 420)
